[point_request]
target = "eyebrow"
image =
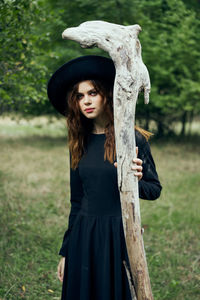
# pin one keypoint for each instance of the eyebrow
(93, 89)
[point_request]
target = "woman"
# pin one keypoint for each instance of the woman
(94, 246)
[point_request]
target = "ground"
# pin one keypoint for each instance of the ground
(34, 193)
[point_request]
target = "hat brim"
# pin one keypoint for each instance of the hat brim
(77, 70)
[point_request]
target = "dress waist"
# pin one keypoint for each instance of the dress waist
(100, 206)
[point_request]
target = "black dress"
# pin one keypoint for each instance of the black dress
(94, 243)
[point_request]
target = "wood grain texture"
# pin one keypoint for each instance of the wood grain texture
(123, 46)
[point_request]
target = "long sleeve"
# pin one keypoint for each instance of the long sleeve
(76, 192)
(149, 186)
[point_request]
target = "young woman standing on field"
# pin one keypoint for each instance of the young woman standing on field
(94, 246)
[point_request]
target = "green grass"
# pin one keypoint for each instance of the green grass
(172, 234)
(34, 193)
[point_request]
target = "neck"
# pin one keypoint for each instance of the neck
(98, 128)
(99, 125)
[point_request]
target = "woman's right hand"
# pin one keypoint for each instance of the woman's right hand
(60, 269)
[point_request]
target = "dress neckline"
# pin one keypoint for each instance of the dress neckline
(97, 134)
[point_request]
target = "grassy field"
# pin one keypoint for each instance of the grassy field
(34, 194)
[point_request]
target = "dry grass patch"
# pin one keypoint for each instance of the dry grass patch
(34, 192)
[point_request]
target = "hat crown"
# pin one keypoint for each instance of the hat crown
(79, 69)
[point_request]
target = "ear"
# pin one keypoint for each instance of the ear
(104, 100)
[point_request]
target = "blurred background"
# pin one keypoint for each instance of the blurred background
(34, 164)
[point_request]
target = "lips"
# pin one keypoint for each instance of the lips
(89, 109)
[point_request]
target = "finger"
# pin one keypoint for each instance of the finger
(138, 168)
(59, 276)
(136, 151)
(59, 273)
(138, 161)
(115, 164)
(62, 274)
(139, 175)
(62, 269)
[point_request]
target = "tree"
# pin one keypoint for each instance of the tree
(22, 79)
(33, 50)
(172, 45)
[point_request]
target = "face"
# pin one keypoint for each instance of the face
(91, 103)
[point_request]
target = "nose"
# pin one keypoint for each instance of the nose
(87, 99)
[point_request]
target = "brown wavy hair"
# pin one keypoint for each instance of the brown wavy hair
(79, 126)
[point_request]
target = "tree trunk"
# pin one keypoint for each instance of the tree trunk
(124, 48)
(160, 128)
(191, 117)
(183, 122)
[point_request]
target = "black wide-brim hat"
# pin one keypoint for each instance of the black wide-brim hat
(77, 70)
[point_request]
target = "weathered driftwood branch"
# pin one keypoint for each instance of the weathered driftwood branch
(123, 46)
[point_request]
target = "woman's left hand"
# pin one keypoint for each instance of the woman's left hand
(138, 166)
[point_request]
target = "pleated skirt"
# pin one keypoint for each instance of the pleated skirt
(94, 268)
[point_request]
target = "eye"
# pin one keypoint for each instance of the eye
(93, 93)
(79, 96)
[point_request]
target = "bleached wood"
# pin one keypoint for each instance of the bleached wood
(123, 46)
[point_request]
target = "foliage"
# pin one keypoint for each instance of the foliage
(23, 77)
(33, 50)
(172, 50)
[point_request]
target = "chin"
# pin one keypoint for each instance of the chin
(90, 116)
